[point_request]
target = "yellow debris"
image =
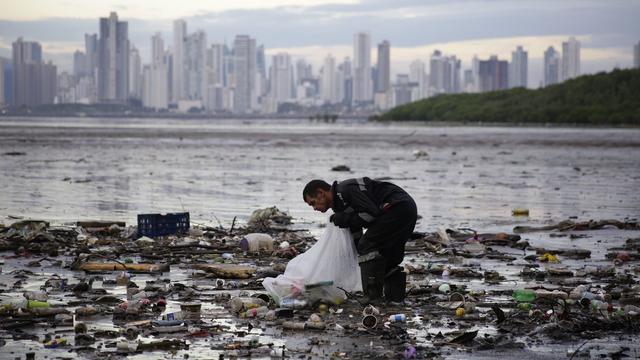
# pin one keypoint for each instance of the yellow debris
(549, 258)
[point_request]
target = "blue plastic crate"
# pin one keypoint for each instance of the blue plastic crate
(153, 225)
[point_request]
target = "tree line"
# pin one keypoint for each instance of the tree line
(605, 98)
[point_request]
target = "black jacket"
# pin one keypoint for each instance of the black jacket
(357, 203)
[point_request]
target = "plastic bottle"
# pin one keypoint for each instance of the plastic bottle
(293, 303)
(37, 304)
(524, 295)
(398, 318)
(239, 304)
(445, 274)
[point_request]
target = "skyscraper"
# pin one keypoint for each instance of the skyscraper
(33, 83)
(518, 70)
(113, 60)
(156, 76)
(417, 75)
(347, 70)
(493, 74)
(636, 55)
(91, 53)
(444, 77)
(178, 91)
(244, 67)
(3, 101)
(384, 67)
(215, 77)
(215, 65)
(570, 59)
(303, 71)
(194, 56)
(135, 73)
(281, 78)
(6, 68)
(79, 64)
(551, 67)
(362, 82)
(329, 80)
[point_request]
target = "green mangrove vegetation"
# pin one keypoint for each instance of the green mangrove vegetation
(611, 98)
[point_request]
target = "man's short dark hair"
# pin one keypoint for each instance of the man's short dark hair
(311, 189)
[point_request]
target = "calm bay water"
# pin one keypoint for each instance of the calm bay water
(113, 169)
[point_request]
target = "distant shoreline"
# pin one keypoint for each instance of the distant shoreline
(308, 118)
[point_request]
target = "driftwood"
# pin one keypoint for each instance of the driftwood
(94, 266)
(227, 271)
(100, 224)
(568, 225)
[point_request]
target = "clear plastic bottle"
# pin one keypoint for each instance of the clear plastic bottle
(398, 318)
(445, 274)
(293, 303)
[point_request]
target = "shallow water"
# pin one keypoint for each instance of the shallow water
(219, 169)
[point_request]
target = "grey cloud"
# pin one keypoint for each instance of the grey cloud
(610, 23)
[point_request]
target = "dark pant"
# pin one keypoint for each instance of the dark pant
(390, 232)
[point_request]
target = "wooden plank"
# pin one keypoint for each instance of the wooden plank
(112, 266)
(227, 271)
(99, 223)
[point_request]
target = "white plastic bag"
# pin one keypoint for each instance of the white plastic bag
(332, 258)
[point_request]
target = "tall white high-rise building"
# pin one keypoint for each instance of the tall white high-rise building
(636, 55)
(178, 89)
(113, 60)
(329, 80)
(135, 73)
(281, 78)
(551, 67)
(303, 71)
(34, 82)
(194, 57)
(475, 73)
(570, 59)
(156, 76)
(3, 99)
(244, 71)
(519, 68)
(91, 52)
(418, 76)
(383, 82)
(362, 82)
(444, 76)
(79, 64)
(215, 77)
(215, 64)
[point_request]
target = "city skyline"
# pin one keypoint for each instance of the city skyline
(314, 29)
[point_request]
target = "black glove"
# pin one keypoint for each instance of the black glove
(341, 219)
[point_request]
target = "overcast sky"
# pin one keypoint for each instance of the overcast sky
(313, 28)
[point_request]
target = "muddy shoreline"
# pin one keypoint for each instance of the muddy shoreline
(483, 272)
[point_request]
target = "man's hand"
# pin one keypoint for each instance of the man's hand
(341, 219)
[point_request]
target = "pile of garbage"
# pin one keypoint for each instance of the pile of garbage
(100, 289)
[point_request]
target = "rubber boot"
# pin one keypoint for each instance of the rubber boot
(372, 273)
(395, 284)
